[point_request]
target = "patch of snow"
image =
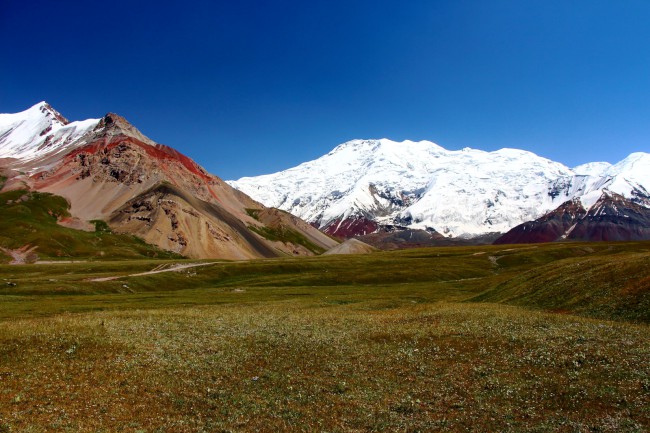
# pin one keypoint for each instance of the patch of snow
(589, 199)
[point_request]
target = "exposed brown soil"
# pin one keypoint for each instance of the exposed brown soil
(22, 255)
(351, 246)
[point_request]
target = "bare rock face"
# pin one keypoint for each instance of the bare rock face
(351, 226)
(550, 227)
(113, 172)
(612, 218)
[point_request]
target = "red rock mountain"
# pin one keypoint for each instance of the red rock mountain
(611, 218)
(109, 170)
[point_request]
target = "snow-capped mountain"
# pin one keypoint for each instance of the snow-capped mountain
(39, 131)
(108, 170)
(364, 184)
(630, 178)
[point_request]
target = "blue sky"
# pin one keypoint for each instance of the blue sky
(250, 87)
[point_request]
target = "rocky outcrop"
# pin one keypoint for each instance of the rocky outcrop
(551, 227)
(613, 218)
(399, 238)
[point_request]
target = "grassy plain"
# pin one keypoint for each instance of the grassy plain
(540, 338)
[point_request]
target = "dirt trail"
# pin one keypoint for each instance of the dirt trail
(157, 270)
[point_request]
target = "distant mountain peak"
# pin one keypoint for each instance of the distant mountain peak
(592, 168)
(47, 110)
(385, 143)
(363, 185)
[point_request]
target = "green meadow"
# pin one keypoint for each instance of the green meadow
(540, 338)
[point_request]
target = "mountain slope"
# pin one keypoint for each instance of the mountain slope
(112, 165)
(611, 218)
(629, 178)
(363, 185)
(32, 228)
(167, 216)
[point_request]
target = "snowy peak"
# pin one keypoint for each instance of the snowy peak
(107, 169)
(41, 131)
(385, 145)
(38, 131)
(634, 168)
(39, 112)
(630, 178)
(50, 112)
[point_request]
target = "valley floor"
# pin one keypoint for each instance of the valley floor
(439, 339)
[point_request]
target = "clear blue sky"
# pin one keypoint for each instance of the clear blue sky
(250, 87)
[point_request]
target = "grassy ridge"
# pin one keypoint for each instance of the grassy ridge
(286, 235)
(611, 286)
(279, 232)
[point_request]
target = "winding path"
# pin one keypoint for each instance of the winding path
(157, 270)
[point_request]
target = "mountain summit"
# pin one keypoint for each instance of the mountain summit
(39, 131)
(364, 185)
(108, 170)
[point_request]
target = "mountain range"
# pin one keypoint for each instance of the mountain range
(108, 170)
(372, 186)
(388, 194)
